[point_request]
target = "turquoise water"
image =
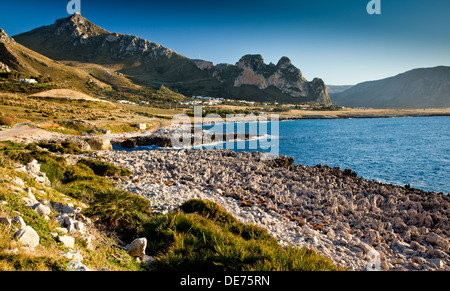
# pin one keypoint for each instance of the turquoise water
(400, 151)
(410, 150)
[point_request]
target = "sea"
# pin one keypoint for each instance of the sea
(403, 151)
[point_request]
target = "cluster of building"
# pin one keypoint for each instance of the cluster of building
(133, 103)
(201, 100)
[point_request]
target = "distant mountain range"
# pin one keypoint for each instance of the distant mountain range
(77, 42)
(76, 53)
(415, 89)
(333, 89)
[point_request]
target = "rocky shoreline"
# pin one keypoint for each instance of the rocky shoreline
(347, 218)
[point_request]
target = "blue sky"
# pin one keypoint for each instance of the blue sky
(336, 40)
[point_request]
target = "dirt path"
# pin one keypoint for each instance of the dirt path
(23, 132)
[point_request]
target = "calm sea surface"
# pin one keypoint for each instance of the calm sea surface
(400, 151)
(411, 150)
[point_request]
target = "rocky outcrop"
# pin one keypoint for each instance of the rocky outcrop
(75, 31)
(5, 54)
(4, 68)
(169, 139)
(251, 70)
(5, 38)
(284, 75)
(203, 65)
(99, 144)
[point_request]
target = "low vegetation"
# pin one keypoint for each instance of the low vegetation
(7, 120)
(203, 237)
(107, 252)
(200, 236)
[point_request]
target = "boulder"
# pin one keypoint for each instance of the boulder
(34, 167)
(27, 236)
(137, 248)
(436, 239)
(42, 210)
(67, 209)
(129, 143)
(19, 182)
(100, 144)
(80, 227)
(66, 240)
(438, 263)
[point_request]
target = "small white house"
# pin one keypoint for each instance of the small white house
(28, 81)
(141, 126)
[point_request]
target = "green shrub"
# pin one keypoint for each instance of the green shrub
(119, 210)
(7, 120)
(207, 239)
(105, 169)
(63, 148)
(208, 210)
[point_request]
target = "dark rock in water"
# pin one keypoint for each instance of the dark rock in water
(129, 143)
(158, 140)
(349, 172)
(282, 162)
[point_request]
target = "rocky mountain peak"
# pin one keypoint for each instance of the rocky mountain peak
(77, 26)
(284, 62)
(4, 37)
(254, 62)
(77, 18)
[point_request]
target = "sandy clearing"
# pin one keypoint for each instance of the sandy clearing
(68, 94)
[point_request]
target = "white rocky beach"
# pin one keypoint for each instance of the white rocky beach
(358, 224)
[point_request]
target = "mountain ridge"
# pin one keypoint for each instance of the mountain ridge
(147, 63)
(16, 57)
(414, 89)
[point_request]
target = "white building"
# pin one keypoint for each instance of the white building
(141, 126)
(28, 81)
(126, 102)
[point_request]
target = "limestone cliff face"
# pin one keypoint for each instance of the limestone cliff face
(283, 76)
(252, 70)
(203, 65)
